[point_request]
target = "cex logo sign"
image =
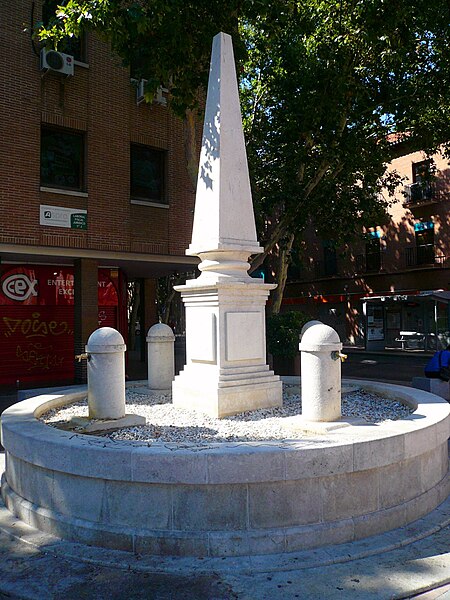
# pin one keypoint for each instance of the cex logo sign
(19, 287)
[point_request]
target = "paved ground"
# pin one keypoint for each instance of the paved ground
(383, 366)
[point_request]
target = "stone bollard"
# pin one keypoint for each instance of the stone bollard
(106, 374)
(307, 325)
(161, 358)
(321, 373)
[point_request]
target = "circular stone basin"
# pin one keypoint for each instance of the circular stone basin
(232, 498)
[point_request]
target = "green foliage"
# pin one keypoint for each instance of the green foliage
(324, 83)
(166, 42)
(283, 332)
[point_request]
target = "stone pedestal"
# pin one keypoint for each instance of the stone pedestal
(226, 371)
(105, 353)
(321, 372)
(160, 357)
(106, 374)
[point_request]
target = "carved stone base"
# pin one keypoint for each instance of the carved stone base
(226, 371)
(88, 425)
(232, 393)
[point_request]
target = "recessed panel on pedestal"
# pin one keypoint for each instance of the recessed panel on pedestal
(244, 336)
(201, 335)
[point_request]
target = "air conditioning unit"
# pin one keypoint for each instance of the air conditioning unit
(159, 97)
(51, 60)
(140, 91)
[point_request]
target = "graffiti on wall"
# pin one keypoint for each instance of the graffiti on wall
(37, 320)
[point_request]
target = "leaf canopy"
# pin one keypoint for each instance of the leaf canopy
(326, 86)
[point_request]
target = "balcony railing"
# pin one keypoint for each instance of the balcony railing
(417, 256)
(390, 260)
(420, 193)
(403, 258)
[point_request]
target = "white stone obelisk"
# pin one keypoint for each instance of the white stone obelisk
(226, 371)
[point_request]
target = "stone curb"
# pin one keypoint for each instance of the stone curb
(250, 526)
(260, 577)
(307, 571)
(435, 522)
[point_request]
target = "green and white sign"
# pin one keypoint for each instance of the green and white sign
(59, 216)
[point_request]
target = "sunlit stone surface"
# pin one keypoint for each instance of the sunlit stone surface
(226, 371)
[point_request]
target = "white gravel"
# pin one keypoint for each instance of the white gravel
(165, 423)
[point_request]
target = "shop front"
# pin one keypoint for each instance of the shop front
(410, 322)
(37, 320)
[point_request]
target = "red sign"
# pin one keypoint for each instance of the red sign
(50, 286)
(37, 320)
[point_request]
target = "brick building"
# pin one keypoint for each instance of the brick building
(94, 192)
(391, 290)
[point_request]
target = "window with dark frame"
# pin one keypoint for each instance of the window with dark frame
(329, 258)
(373, 252)
(421, 171)
(147, 178)
(422, 186)
(424, 234)
(62, 159)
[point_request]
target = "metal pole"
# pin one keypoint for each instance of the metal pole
(436, 323)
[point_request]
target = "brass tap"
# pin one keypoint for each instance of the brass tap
(84, 356)
(336, 355)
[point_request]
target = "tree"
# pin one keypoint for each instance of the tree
(166, 43)
(325, 84)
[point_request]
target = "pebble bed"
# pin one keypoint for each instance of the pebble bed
(165, 423)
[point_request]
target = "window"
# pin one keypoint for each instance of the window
(70, 45)
(295, 266)
(147, 174)
(421, 171)
(424, 232)
(422, 186)
(62, 159)
(330, 258)
(373, 251)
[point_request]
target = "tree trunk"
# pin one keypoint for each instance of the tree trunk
(190, 145)
(135, 303)
(283, 265)
(168, 307)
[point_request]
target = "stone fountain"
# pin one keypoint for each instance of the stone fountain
(240, 498)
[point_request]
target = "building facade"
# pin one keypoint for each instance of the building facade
(390, 291)
(94, 193)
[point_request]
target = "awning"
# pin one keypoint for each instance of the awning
(439, 295)
(134, 264)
